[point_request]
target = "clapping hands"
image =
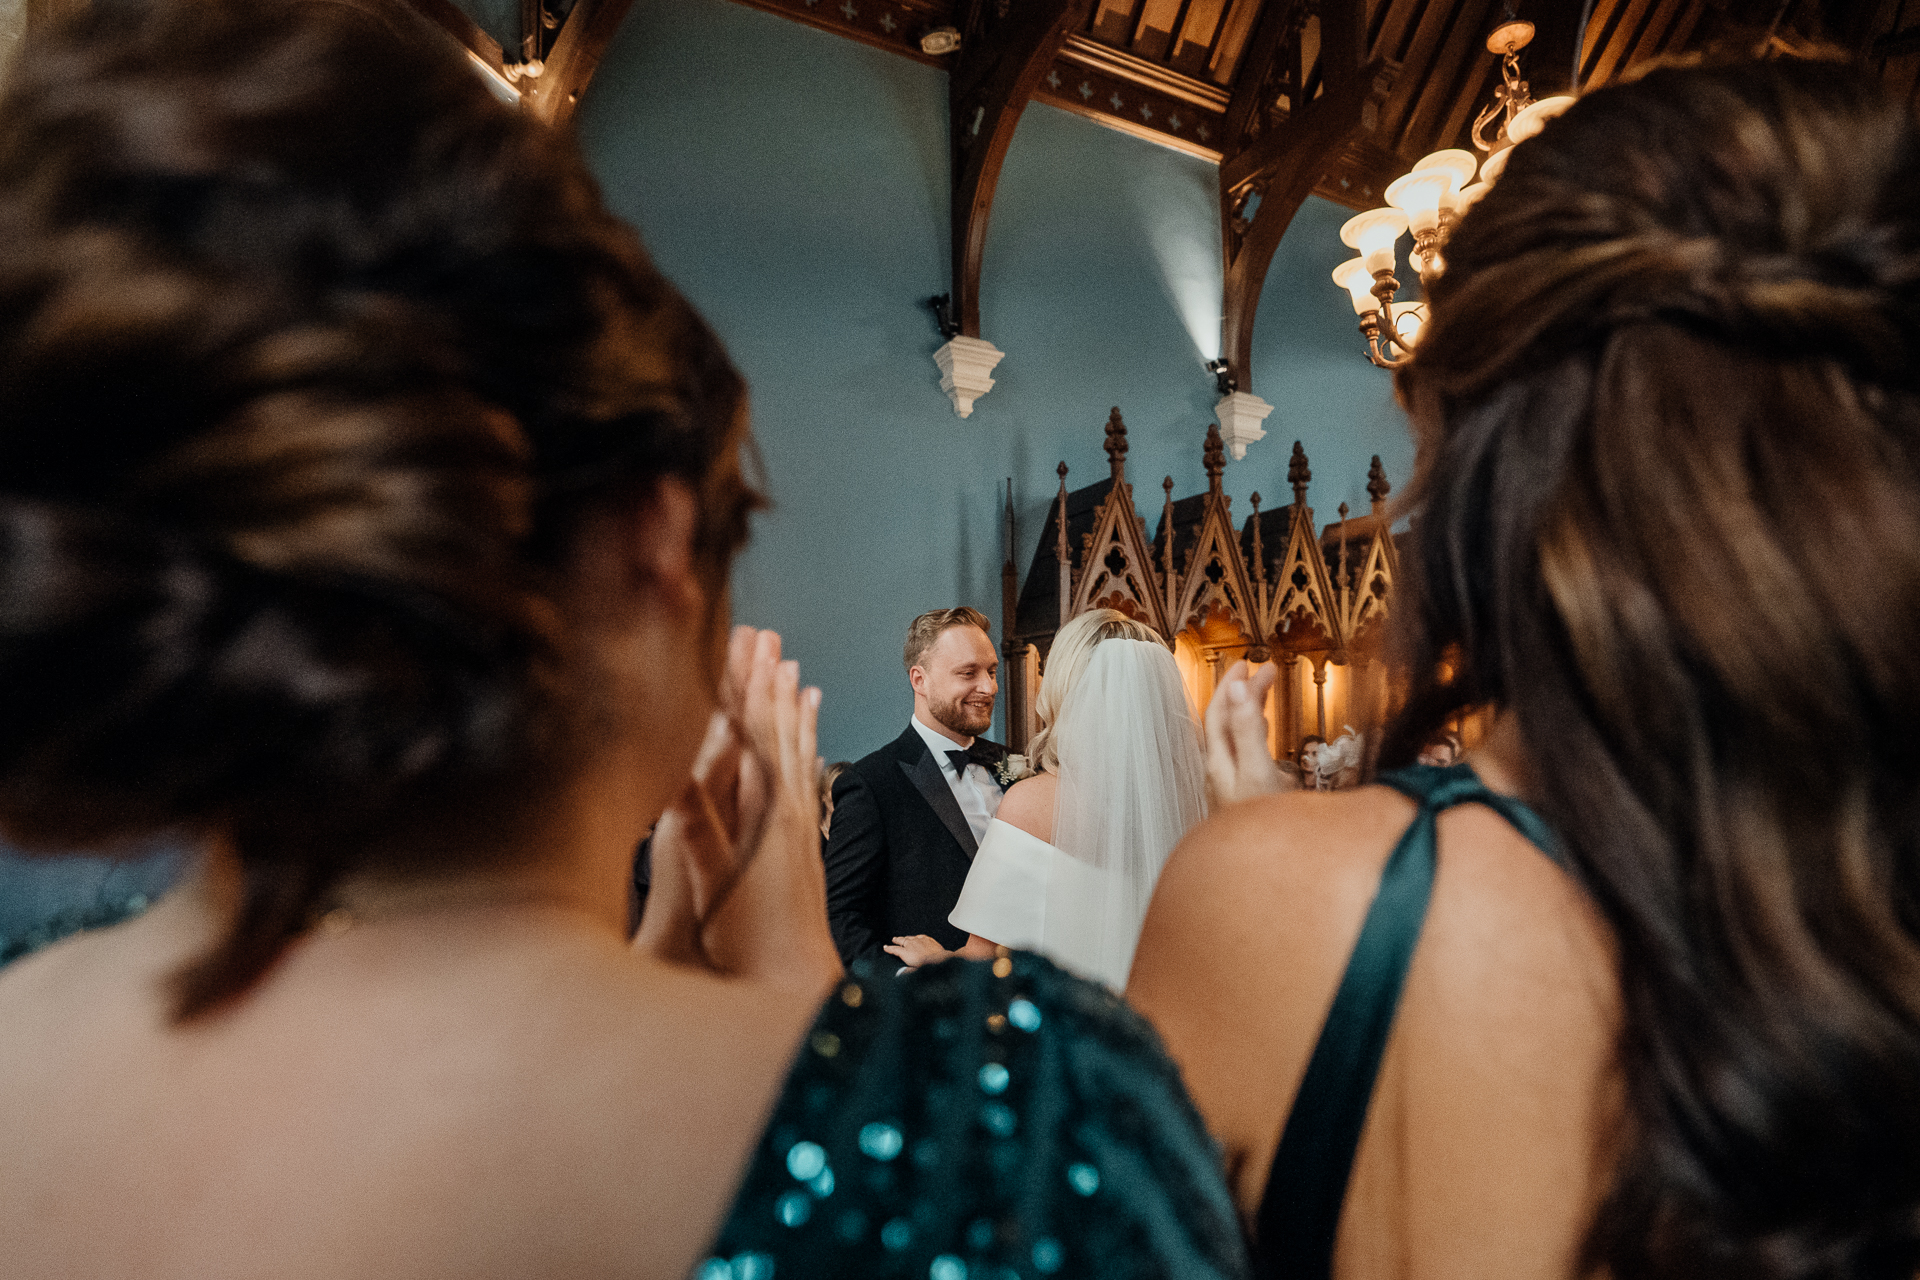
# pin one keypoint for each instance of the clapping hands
(738, 884)
(1238, 766)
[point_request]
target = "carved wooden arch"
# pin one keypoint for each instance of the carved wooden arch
(583, 40)
(1004, 51)
(1281, 164)
(580, 42)
(1216, 543)
(1116, 561)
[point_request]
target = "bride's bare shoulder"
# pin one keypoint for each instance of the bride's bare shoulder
(1028, 805)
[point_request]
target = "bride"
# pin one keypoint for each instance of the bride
(1069, 861)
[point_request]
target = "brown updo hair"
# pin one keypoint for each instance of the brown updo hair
(1668, 505)
(312, 355)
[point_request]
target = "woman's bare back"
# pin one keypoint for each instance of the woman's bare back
(1484, 1148)
(477, 1093)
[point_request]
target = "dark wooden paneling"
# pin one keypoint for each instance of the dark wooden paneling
(1136, 97)
(893, 25)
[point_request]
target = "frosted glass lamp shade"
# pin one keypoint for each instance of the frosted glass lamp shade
(1419, 194)
(1460, 164)
(1531, 119)
(1494, 165)
(1373, 234)
(1470, 196)
(1408, 321)
(1353, 276)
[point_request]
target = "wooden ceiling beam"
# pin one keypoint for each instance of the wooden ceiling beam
(1655, 39)
(1448, 78)
(1000, 66)
(1614, 57)
(1439, 25)
(1277, 20)
(1548, 62)
(1282, 166)
(453, 20)
(582, 42)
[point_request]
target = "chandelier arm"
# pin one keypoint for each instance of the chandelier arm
(1480, 122)
(1370, 328)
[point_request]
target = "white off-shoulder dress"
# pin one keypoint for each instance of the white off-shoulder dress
(1024, 893)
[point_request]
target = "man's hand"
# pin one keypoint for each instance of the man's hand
(1238, 766)
(738, 884)
(918, 950)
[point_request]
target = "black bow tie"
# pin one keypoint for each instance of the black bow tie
(980, 753)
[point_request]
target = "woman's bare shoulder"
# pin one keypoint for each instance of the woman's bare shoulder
(1028, 805)
(1262, 889)
(1293, 835)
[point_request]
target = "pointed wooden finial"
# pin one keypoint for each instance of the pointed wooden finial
(1299, 474)
(1377, 486)
(1216, 456)
(1259, 551)
(1060, 552)
(1343, 513)
(1117, 445)
(1166, 546)
(1011, 533)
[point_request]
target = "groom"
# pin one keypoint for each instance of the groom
(908, 818)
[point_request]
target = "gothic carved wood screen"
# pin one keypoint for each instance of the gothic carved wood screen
(1278, 587)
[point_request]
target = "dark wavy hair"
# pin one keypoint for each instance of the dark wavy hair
(312, 357)
(1669, 519)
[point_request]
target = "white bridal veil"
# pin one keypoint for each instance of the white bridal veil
(1132, 781)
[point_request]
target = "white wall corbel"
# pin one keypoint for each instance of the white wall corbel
(966, 370)
(1241, 413)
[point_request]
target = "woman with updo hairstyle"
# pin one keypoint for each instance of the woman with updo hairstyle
(366, 506)
(1653, 1009)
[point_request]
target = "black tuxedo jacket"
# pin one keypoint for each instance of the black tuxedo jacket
(897, 852)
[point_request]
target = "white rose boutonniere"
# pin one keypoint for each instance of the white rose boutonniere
(1010, 770)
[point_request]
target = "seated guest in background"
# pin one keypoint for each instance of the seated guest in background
(908, 818)
(1337, 765)
(829, 775)
(1634, 991)
(1441, 752)
(1307, 759)
(1070, 860)
(366, 506)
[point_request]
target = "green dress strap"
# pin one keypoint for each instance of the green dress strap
(1300, 1212)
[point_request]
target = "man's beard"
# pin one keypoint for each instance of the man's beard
(961, 718)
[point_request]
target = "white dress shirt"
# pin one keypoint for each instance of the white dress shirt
(973, 787)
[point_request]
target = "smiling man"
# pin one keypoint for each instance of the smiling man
(908, 818)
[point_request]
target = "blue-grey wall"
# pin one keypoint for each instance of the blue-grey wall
(795, 185)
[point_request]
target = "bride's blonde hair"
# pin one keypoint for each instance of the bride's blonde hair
(1072, 647)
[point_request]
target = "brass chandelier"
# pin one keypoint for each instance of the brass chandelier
(1430, 201)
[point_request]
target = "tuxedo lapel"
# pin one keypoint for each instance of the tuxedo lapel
(931, 782)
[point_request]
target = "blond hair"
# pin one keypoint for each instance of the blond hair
(928, 627)
(1072, 648)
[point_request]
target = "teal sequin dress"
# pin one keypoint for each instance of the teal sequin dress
(981, 1121)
